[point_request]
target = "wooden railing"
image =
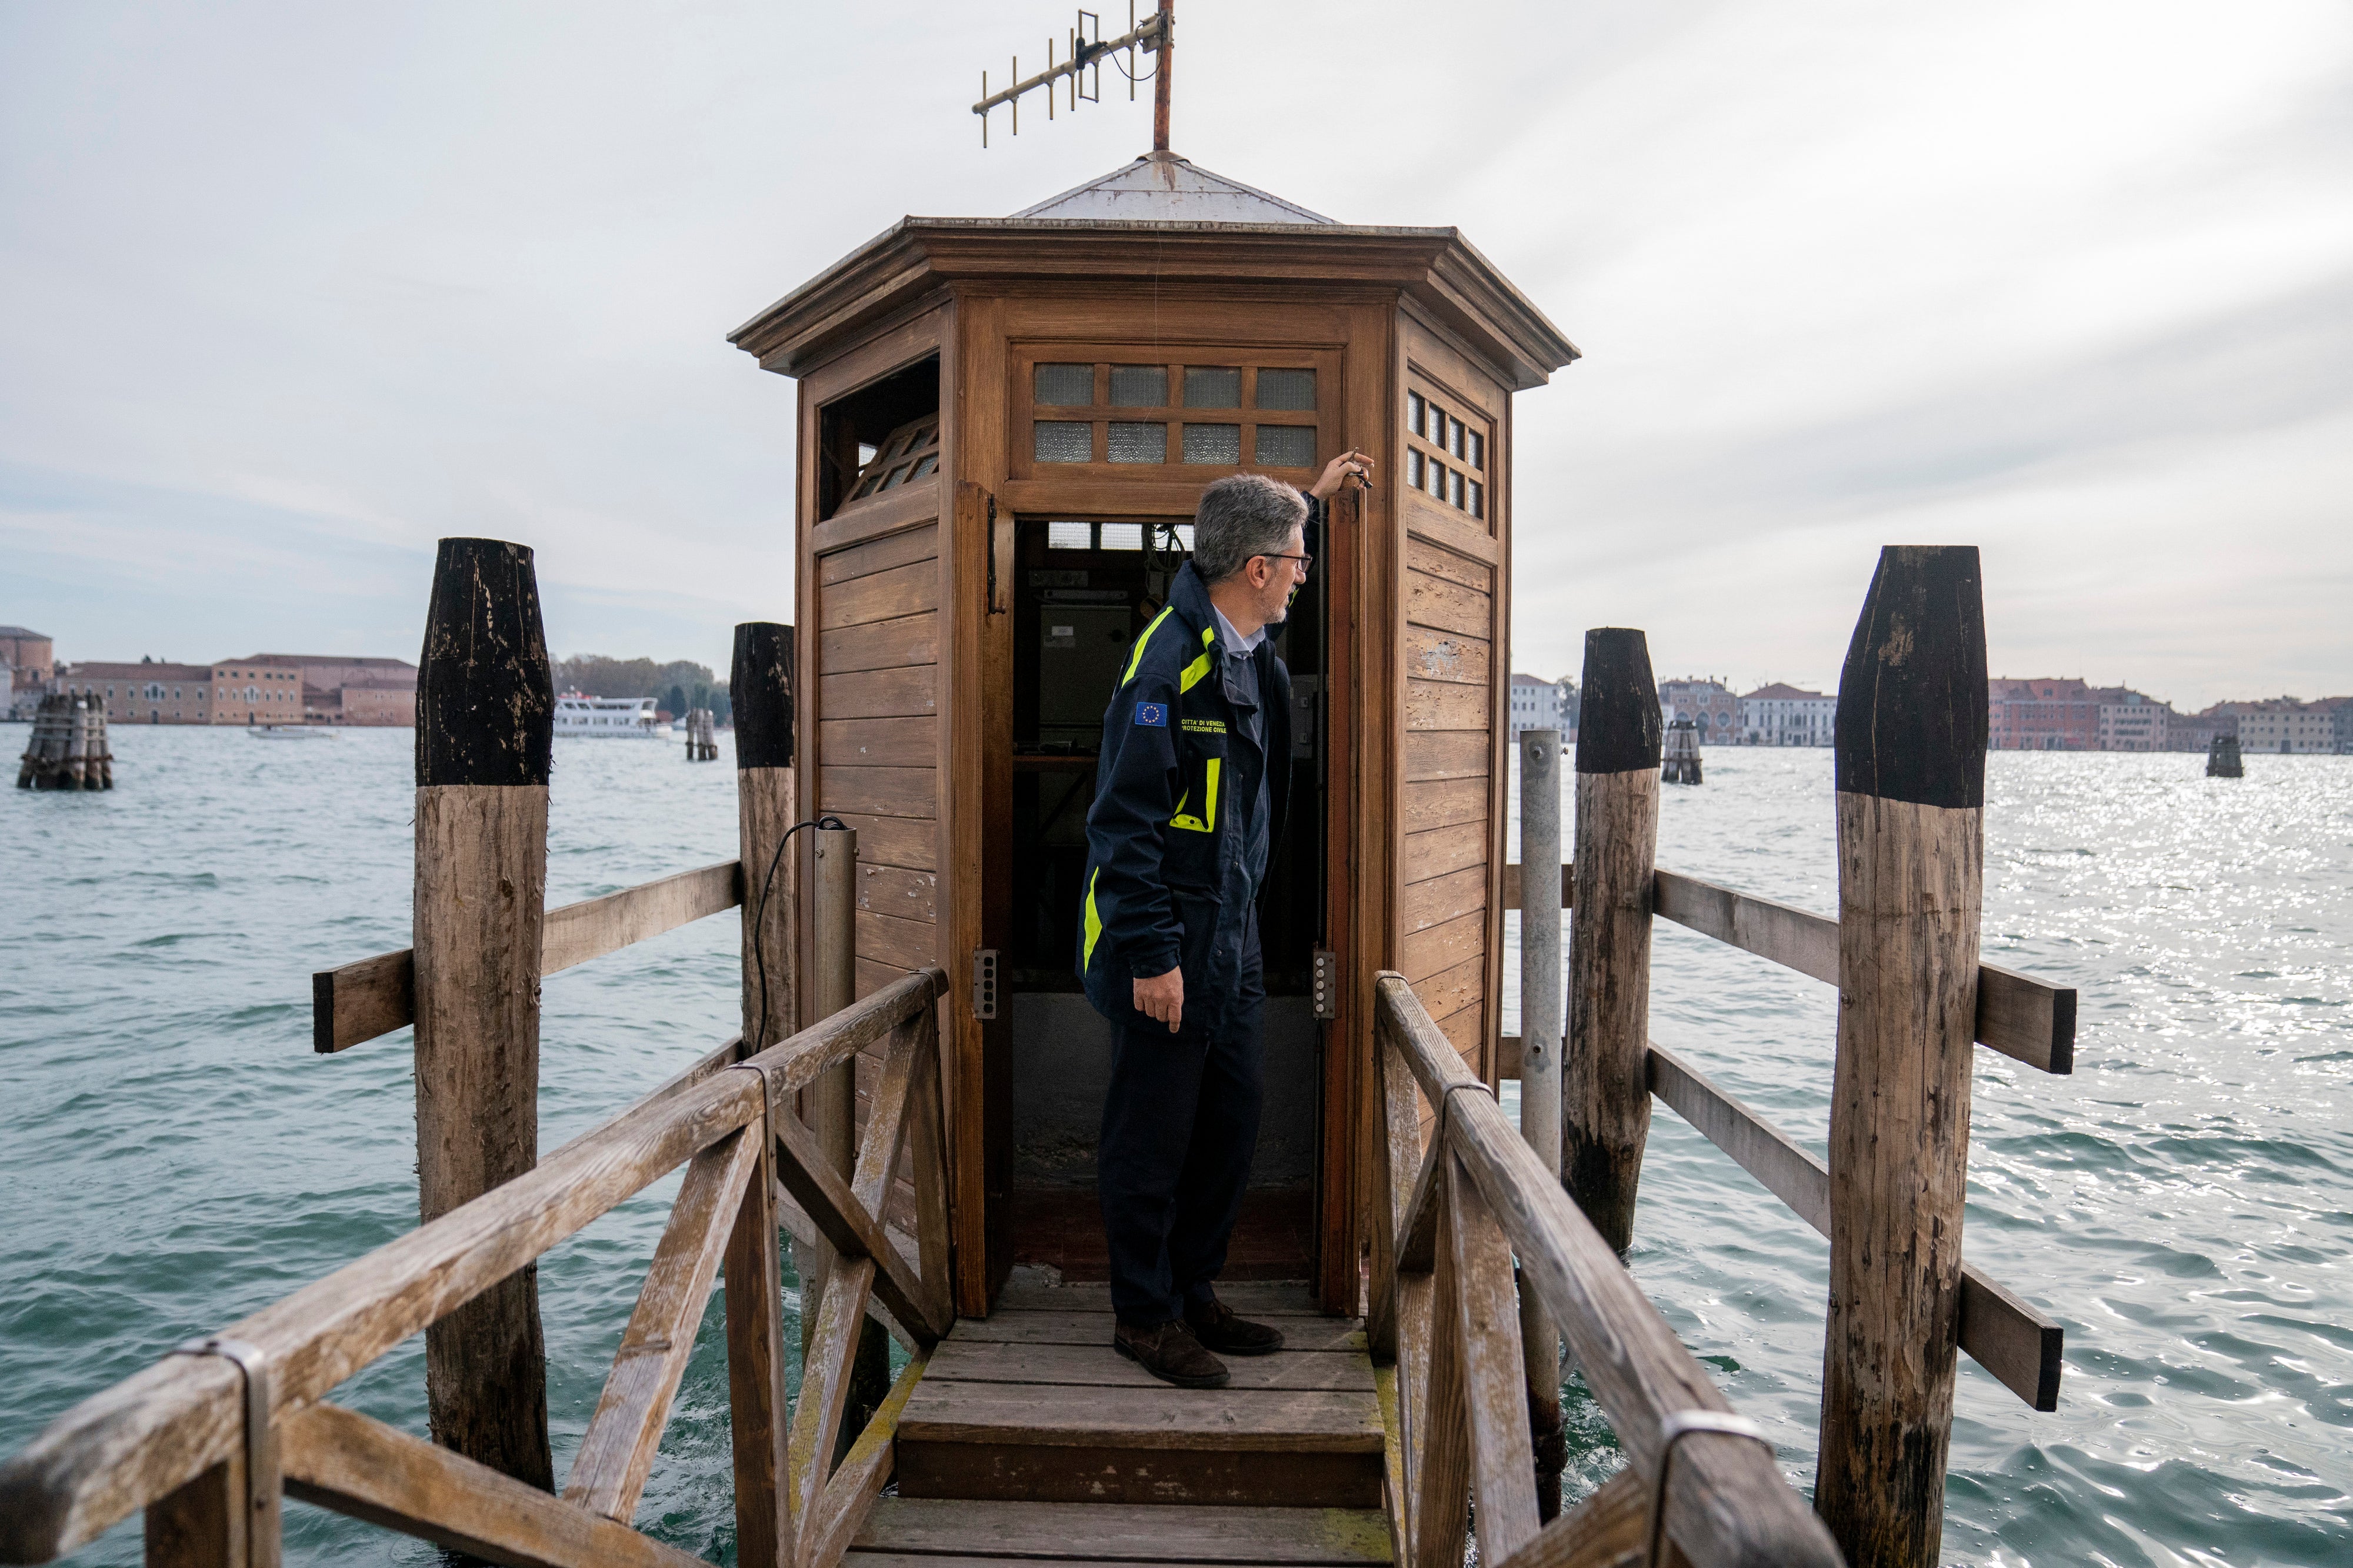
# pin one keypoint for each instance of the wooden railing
(1445, 1332)
(194, 1439)
(2026, 1019)
(371, 997)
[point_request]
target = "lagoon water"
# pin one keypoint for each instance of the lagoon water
(174, 1156)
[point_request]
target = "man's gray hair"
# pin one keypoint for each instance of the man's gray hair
(1241, 516)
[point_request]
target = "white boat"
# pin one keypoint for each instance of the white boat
(579, 714)
(289, 733)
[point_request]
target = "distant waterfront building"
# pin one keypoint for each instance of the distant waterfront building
(2342, 711)
(2048, 714)
(2289, 726)
(1783, 715)
(1707, 702)
(2129, 720)
(267, 688)
(28, 653)
(245, 692)
(1540, 704)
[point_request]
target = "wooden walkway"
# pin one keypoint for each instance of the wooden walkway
(1029, 1439)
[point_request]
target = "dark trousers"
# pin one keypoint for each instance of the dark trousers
(1180, 1122)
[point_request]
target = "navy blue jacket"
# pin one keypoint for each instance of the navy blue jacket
(1165, 885)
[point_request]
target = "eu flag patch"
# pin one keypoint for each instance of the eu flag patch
(1152, 715)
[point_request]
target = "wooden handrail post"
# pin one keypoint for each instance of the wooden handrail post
(485, 730)
(1910, 758)
(760, 683)
(833, 1105)
(1604, 1094)
(1540, 1044)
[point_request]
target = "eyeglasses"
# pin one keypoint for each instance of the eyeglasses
(1306, 562)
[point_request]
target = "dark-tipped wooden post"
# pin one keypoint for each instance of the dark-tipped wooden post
(1605, 1088)
(760, 683)
(1911, 745)
(485, 729)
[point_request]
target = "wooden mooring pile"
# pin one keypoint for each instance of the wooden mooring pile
(68, 747)
(2222, 759)
(1014, 1435)
(1681, 761)
(701, 736)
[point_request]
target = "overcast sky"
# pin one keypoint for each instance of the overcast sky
(288, 291)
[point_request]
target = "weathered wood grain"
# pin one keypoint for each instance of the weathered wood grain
(1447, 754)
(133, 1443)
(2020, 1346)
(907, 742)
(1434, 655)
(1727, 1500)
(480, 905)
(1428, 803)
(1605, 1108)
(961, 1360)
(941, 1528)
(1486, 1307)
(884, 595)
(339, 1459)
(909, 640)
(616, 1452)
(849, 1497)
(910, 690)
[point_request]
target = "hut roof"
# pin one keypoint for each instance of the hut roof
(1164, 188)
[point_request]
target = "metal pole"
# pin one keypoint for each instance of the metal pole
(833, 1099)
(1541, 1005)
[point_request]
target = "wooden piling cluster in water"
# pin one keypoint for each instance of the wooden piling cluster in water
(68, 747)
(1681, 762)
(2222, 759)
(701, 736)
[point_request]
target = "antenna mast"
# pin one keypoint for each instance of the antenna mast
(1155, 36)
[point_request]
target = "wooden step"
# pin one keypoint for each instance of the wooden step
(915, 1532)
(1032, 1404)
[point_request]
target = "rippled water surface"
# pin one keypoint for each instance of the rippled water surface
(174, 1155)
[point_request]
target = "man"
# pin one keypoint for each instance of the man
(1190, 790)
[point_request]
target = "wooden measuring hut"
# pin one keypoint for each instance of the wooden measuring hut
(1004, 427)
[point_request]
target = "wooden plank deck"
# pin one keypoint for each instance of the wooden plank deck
(1029, 1437)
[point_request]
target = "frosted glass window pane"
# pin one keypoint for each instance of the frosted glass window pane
(1139, 387)
(1478, 453)
(1139, 442)
(1478, 501)
(1413, 467)
(1454, 437)
(1064, 441)
(1065, 386)
(1286, 389)
(1185, 536)
(1286, 446)
(1123, 536)
(1212, 387)
(929, 461)
(1454, 488)
(1213, 443)
(896, 475)
(1069, 536)
(1438, 480)
(1414, 412)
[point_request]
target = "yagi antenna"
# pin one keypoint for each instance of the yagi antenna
(1086, 47)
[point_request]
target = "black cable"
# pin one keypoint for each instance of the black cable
(760, 921)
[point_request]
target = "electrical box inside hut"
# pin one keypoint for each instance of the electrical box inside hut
(1004, 427)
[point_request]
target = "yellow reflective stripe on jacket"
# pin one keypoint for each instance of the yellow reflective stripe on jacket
(1207, 821)
(1137, 658)
(1094, 922)
(1199, 670)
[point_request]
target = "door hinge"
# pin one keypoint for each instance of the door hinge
(1328, 984)
(983, 983)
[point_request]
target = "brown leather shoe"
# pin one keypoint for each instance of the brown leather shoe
(1169, 1352)
(1216, 1326)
